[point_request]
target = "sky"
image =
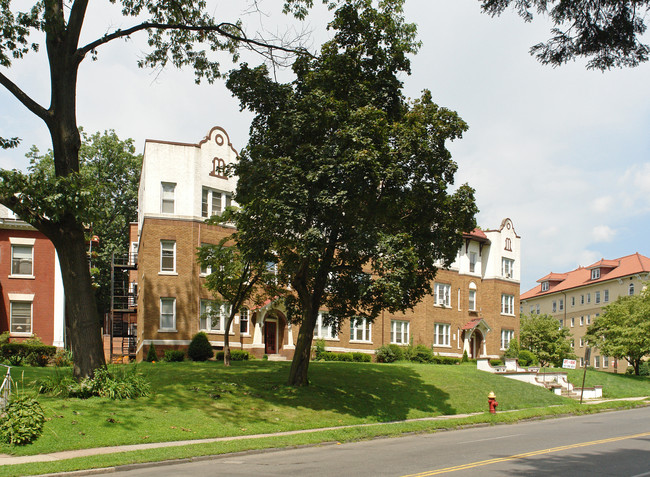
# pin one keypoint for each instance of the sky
(563, 152)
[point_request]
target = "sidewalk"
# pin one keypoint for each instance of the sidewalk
(55, 456)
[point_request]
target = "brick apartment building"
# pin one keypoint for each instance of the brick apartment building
(472, 308)
(31, 298)
(576, 298)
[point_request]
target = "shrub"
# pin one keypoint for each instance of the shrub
(361, 358)
(496, 362)
(62, 357)
(644, 368)
(422, 354)
(527, 358)
(116, 383)
(39, 352)
(174, 355)
(22, 421)
(385, 354)
(319, 349)
(239, 355)
(14, 360)
(398, 351)
(151, 354)
(446, 360)
(37, 359)
(4, 337)
(513, 349)
(344, 357)
(200, 348)
(465, 357)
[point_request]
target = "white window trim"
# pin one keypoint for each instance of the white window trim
(248, 320)
(446, 295)
(393, 331)
(167, 272)
(160, 328)
(17, 240)
(510, 334)
(471, 304)
(319, 329)
(162, 197)
(595, 274)
(446, 335)
(507, 267)
(507, 304)
(368, 339)
(31, 317)
(224, 311)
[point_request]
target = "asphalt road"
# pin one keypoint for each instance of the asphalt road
(606, 444)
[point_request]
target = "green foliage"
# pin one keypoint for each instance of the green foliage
(422, 354)
(513, 349)
(527, 358)
(543, 336)
(446, 360)
(607, 33)
(387, 354)
(235, 355)
(62, 358)
(32, 352)
(623, 329)
(4, 337)
(22, 421)
(115, 383)
(200, 348)
(496, 362)
(465, 358)
(319, 348)
(346, 357)
(175, 355)
(151, 354)
(345, 163)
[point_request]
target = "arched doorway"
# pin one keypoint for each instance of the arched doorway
(475, 344)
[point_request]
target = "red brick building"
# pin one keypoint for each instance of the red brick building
(31, 298)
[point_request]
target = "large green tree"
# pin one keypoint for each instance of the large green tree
(545, 338)
(180, 33)
(606, 32)
(113, 170)
(623, 330)
(344, 183)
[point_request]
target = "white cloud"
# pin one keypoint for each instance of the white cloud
(602, 233)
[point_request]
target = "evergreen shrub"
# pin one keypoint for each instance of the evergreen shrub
(527, 358)
(174, 355)
(200, 348)
(151, 354)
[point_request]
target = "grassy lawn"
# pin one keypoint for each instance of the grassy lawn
(198, 400)
(614, 385)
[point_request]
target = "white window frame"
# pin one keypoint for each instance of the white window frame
(582, 342)
(573, 321)
(472, 299)
(554, 306)
(13, 259)
(508, 267)
(323, 331)
(245, 317)
(605, 362)
(582, 321)
(506, 337)
(210, 196)
(166, 271)
(596, 361)
(605, 295)
(167, 197)
(545, 286)
(472, 262)
(442, 295)
(217, 322)
(399, 332)
(561, 304)
(630, 289)
(595, 274)
(538, 309)
(171, 300)
(588, 297)
(597, 297)
(507, 304)
(360, 327)
(12, 304)
(573, 301)
(442, 335)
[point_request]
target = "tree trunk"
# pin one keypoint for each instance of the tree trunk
(82, 319)
(226, 341)
(302, 354)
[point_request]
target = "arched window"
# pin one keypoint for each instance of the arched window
(630, 290)
(472, 296)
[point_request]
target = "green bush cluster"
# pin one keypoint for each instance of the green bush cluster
(235, 355)
(22, 421)
(62, 358)
(349, 357)
(527, 358)
(116, 383)
(496, 362)
(319, 349)
(419, 354)
(151, 354)
(174, 355)
(200, 348)
(31, 352)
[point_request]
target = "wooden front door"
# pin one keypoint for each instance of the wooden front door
(270, 332)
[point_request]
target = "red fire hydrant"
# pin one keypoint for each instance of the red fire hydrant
(492, 402)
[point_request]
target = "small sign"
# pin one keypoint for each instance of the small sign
(569, 364)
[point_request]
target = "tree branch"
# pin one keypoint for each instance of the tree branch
(75, 22)
(173, 26)
(28, 102)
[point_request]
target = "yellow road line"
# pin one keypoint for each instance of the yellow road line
(472, 465)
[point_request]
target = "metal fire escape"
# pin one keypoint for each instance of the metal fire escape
(124, 302)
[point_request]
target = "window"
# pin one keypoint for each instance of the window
(472, 300)
(588, 319)
(167, 256)
(212, 316)
(22, 260)
(324, 329)
(207, 270)
(573, 301)
(360, 329)
(582, 299)
(582, 342)
(168, 314)
(472, 262)
(606, 296)
(532, 309)
(597, 297)
(506, 337)
(573, 343)
(244, 321)
(442, 294)
(544, 286)
(573, 322)
(596, 361)
(442, 334)
(561, 304)
(538, 312)
(21, 317)
(508, 245)
(605, 361)
(588, 297)
(561, 323)
(582, 362)
(399, 332)
(214, 202)
(630, 289)
(554, 306)
(507, 304)
(508, 267)
(595, 274)
(167, 197)
(582, 321)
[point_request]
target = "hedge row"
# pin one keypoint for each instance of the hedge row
(235, 355)
(350, 357)
(418, 354)
(30, 353)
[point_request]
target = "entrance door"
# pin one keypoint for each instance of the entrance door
(270, 332)
(475, 344)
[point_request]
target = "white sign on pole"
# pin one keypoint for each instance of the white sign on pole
(569, 363)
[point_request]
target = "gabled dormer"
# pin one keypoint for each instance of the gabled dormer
(602, 268)
(551, 280)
